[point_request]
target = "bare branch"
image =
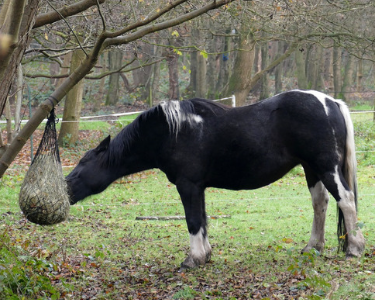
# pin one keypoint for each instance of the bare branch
(71, 29)
(148, 20)
(54, 16)
(163, 25)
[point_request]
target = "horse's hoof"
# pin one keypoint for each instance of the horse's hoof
(317, 247)
(353, 254)
(182, 269)
(355, 249)
(191, 263)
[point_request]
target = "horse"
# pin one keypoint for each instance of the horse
(199, 143)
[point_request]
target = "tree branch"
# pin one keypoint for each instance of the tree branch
(67, 11)
(147, 20)
(119, 40)
(10, 32)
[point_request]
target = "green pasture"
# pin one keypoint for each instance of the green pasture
(102, 252)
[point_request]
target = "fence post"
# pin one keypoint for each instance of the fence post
(233, 100)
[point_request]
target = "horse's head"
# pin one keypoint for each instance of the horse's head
(91, 175)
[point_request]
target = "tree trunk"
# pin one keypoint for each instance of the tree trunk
(64, 70)
(98, 99)
(192, 87)
(156, 77)
(312, 67)
(10, 60)
(201, 77)
(279, 68)
(320, 68)
(301, 74)
(211, 72)
(359, 75)
(148, 54)
(348, 78)
(258, 59)
(17, 112)
(8, 117)
(72, 108)
(224, 62)
(337, 71)
(239, 82)
(54, 69)
(114, 62)
(328, 69)
(174, 90)
(265, 90)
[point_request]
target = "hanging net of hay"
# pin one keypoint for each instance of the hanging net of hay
(44, 195)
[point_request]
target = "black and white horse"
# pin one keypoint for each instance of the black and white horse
(198, 144)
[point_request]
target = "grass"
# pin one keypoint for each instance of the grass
(102, 252)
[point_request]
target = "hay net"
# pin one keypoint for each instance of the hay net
(44, 195)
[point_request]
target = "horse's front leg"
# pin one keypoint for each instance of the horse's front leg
(192, 197)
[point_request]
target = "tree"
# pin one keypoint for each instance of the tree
(265, 91)
(16, 17)
(115, 63)
(158, 19)
(239, 82)
(72, 108)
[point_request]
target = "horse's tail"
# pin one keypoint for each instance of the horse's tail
(349, 172)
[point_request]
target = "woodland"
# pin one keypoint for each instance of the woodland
(97, 57)
(100, 53)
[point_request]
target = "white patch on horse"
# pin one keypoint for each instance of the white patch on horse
(320, 96)
(197, 118)
(199, 246)
(356, 241)
(343, 193)
(172, 111)
(319, 196)
(176, 117)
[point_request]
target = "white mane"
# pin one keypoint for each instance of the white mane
(179, 114)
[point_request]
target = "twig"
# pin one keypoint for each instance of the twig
(71, 29)
(166, 218)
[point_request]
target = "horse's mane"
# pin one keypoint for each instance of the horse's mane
(178, 115)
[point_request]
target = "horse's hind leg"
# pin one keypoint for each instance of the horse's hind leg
(319, 196)
(193, 200)
(338, 187)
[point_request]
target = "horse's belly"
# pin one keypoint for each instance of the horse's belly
(249, 176)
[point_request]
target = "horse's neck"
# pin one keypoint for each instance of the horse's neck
(134, 156)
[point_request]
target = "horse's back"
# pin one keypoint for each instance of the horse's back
(252, 146)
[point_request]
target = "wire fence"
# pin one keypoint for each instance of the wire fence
(115, 116)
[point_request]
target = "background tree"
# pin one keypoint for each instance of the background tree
(157, 19)
(137, 29)
(72, 107)
(114, 63)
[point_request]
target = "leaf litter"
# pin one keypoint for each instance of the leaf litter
(130, 267)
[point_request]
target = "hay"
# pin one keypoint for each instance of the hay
(44, 195)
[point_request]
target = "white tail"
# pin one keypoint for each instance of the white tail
(350, 158)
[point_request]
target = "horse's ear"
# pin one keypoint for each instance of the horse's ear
(104, 144)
